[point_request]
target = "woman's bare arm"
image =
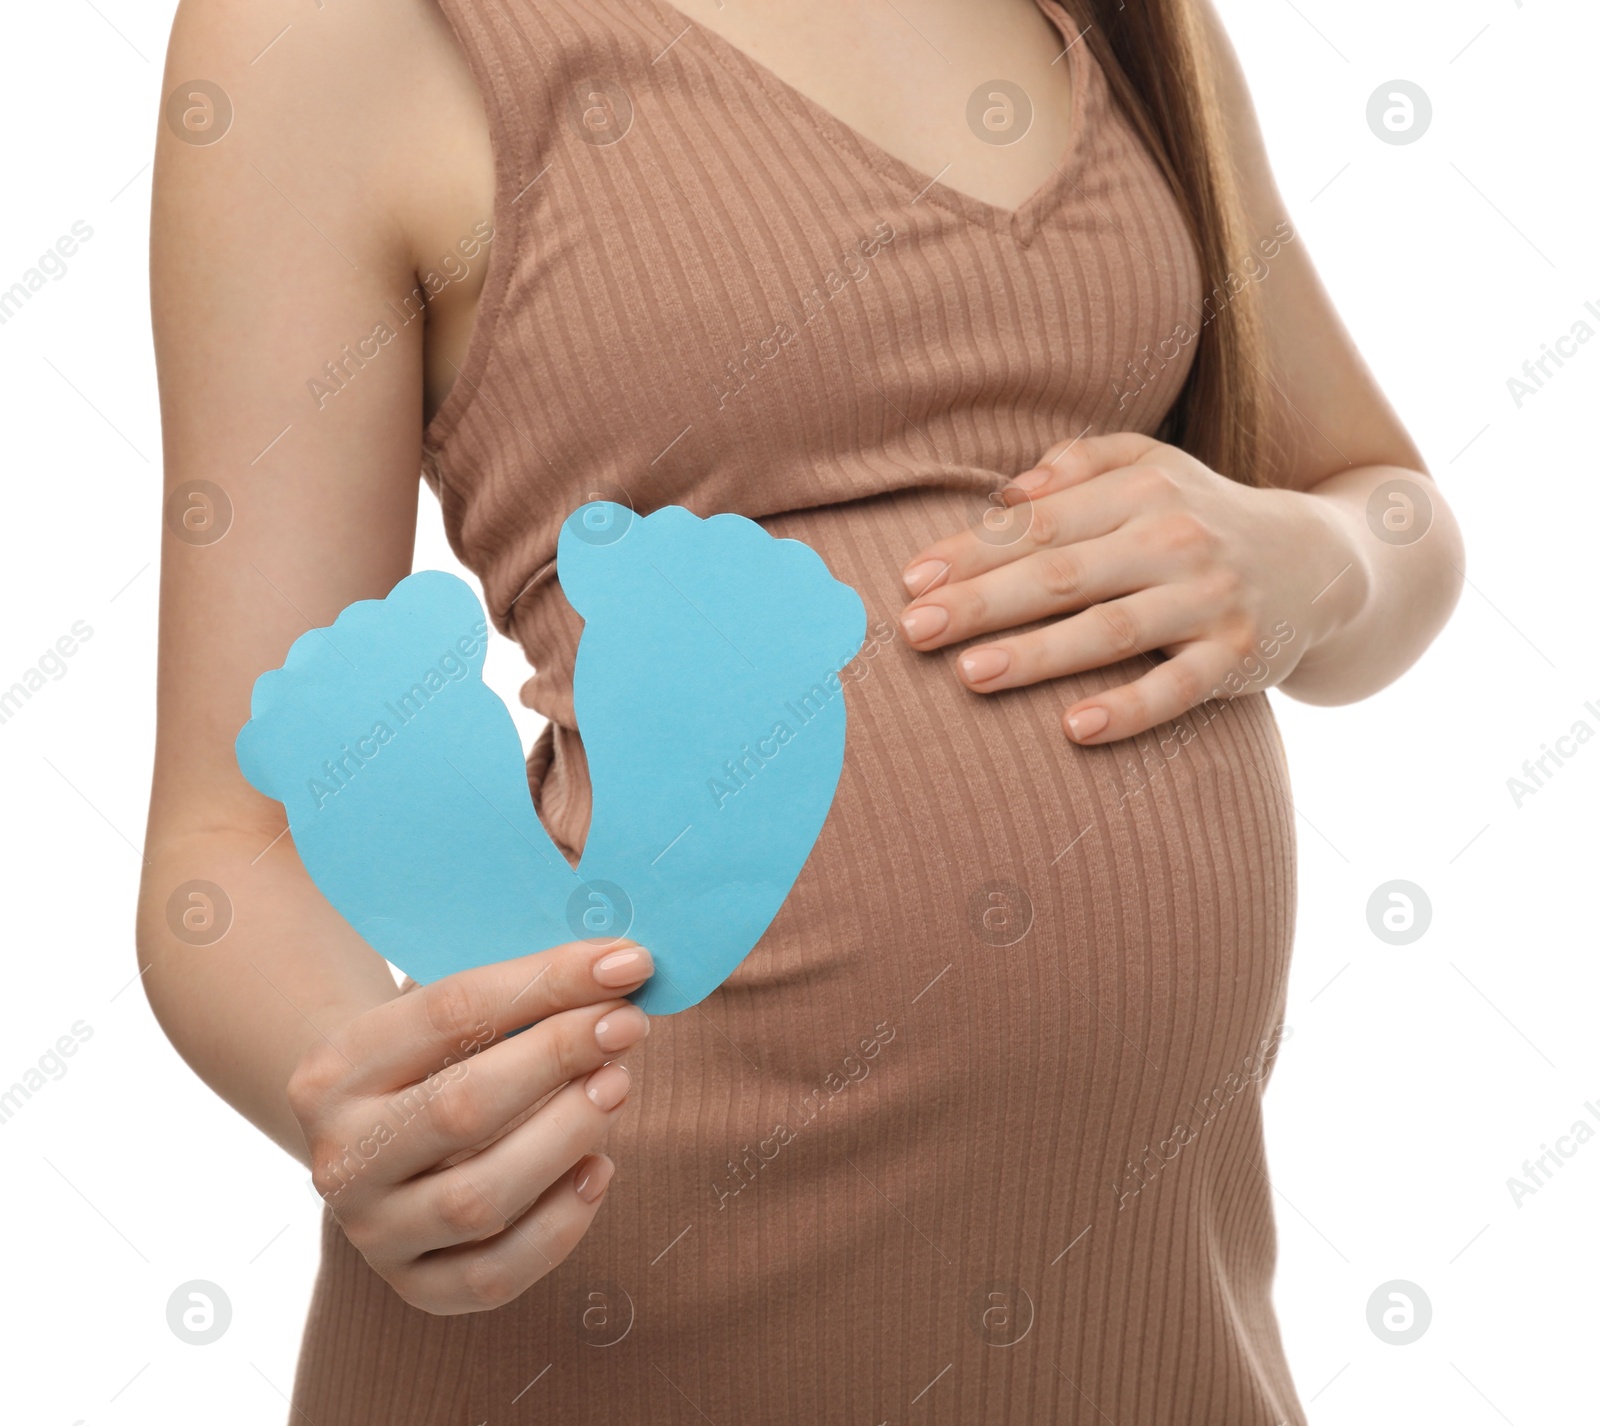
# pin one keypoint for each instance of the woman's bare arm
(277, 249)
(458, 1158)
(1341, 441)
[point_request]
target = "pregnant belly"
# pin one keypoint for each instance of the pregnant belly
(1064, 912)
(993, 917)
(956, 1065)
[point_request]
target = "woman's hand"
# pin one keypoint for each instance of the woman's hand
(428, 1136)
(1143, 548)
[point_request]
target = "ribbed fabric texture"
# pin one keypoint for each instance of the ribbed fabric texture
(974, 1134)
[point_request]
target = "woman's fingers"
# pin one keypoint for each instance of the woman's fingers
(1102, 634)
(1089, 509)
(480, 1197)
(1071, 462)
(478, 1276)
(437, 1117)
(453, 1019)
(1051, 581)
(474, 1102)
(450, 1127)
(1191, 676)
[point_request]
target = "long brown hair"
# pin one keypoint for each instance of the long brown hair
(1159, 59)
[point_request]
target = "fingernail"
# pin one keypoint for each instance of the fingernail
(623, 967)
(920, 577)
(622, 1028)
(1030, 479)
(924, 623)
(607, 1087)
(1086, 722)
(980, 665)
(594, 1173)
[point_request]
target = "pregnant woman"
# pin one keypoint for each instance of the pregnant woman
(997, 307)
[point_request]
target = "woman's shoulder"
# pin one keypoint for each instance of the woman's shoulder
(364, 109)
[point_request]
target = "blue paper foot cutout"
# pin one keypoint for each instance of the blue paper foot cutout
(708, 699)
(403, 778)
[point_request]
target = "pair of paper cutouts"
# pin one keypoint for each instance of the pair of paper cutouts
(707, 696)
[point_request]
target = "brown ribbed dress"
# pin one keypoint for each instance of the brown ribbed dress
(974, 1134)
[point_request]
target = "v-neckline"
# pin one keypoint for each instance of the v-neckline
(1022, 221)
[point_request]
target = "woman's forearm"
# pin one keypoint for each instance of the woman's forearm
(1386, 577)
(243, 1009)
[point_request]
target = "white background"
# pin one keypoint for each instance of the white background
(1418, 1078)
